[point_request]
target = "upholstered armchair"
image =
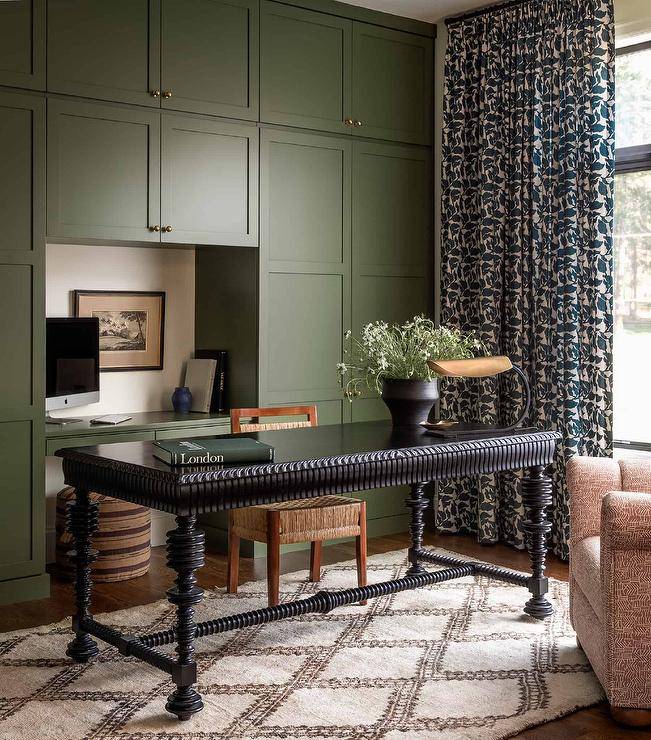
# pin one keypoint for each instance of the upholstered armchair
(610, 577)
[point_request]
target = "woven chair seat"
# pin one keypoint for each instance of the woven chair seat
(308, 520)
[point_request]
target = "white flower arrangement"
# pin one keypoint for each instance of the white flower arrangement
(399, 352)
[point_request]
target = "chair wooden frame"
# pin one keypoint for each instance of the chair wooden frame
(272, 534)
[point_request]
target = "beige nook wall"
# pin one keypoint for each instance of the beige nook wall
(76, 267)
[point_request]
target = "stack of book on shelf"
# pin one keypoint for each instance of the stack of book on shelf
(205, 376)
(212, 451)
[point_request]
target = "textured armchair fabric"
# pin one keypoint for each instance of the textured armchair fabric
(610, 573)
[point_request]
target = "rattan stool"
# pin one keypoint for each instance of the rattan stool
(309, 520)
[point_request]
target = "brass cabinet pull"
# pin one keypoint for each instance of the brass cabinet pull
(167, 229)
(348, 121)
(167, 93)
(154, 228)
(357, 124)
(155, 93)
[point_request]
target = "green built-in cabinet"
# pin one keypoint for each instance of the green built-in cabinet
(187, 55)
(22, 210)
(111, 176)
(334, 74)
(302, 127)
(345, 238)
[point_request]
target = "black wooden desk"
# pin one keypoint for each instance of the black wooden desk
(308, 462)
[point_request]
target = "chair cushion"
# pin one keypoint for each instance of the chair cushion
(585, 565)
(326, 517)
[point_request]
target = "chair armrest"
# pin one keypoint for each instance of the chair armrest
(589, 479)
(626, 521)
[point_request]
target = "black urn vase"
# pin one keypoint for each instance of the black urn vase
(410, 401)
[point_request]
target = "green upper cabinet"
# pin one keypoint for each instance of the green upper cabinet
(392, 209)
(103, 172)
(392, 233)
(392, 84)
(305, 63)
(209, 57)
(305, 210)
(22, 44)
(22, 154)
(209, 186)
(105, 50)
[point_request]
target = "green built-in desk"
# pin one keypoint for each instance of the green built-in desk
(144, 426)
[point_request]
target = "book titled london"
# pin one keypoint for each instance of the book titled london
(212, 451)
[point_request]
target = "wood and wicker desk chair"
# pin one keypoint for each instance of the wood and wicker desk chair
(310, 520)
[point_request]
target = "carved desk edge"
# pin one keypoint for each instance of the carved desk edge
(200, 491)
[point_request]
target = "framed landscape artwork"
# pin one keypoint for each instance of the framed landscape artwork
(131, 327)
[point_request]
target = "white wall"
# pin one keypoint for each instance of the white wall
(74, 267)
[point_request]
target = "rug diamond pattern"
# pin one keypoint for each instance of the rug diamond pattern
(455, 660)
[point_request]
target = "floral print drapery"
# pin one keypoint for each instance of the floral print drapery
(526, 247)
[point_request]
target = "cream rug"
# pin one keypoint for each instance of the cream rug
(455, 660)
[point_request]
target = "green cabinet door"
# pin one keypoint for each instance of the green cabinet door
(305, 265)
(105, 50)
(22, 44)
(392, 84)
(209, 57)
(22, 203)
(209, 187)
(392, 234)
(305, 63)
(103, 172)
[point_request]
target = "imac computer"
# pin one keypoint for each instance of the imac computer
(71, 365)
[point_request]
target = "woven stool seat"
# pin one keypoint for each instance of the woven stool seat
(323, 518)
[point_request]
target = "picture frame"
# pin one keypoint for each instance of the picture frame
(132, 327)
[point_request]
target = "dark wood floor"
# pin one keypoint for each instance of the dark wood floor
(588, 723)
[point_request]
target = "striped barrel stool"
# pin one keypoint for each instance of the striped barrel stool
(123, 540)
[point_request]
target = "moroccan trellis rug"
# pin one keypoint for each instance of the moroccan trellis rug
(456, 660)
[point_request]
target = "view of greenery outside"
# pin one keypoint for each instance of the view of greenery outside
(632, 241)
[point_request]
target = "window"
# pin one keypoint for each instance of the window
(632, 246)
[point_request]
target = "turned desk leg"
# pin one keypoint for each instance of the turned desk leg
(537, 496)
(185, 553)
(83, 521)
(417, 502)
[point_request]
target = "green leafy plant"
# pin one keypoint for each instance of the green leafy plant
(399, 352)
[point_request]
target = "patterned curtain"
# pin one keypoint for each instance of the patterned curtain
(527, 210)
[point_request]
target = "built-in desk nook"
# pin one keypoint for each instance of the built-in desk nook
(141, 427)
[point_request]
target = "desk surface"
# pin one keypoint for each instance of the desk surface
(308, 462)
(139, 422)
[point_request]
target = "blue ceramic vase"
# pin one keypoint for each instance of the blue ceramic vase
(182, 400)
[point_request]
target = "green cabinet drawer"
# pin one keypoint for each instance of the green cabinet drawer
(22, 44)
(54, 444)
(209, 57)
(209, 186)
(188, 432)
(305, 64)
(103, 171)
(392, 84)
(104, 50)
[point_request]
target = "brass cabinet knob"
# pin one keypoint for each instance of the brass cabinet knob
(154, 228)
(155, 93)
(167, 93)
(167, 229)
(357, 124)
(348, 121)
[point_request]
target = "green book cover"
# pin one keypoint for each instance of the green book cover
(212, 451)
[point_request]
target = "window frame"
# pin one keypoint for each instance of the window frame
(632, 159)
